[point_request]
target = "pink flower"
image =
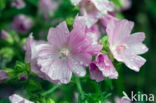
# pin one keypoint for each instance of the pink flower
(18, 99)
(47, 7)
(124, 46)
(31, 57)
(65, 52)
(102, 68)
(119, 100)
(4, 35)
(94, 33)
(93, 10)
(19, 4)
(22, 23)
(3, 76)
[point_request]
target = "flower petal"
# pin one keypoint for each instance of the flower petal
(18, 99)
(57, 70)
(58, 36)
(77, 67)
(135, 38)
(95, 73)
(103, 5)
(134, 62)
(138, 48)
(135, 45)
(118, 30)
(106, 67)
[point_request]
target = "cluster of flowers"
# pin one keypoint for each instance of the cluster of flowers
(68, 52)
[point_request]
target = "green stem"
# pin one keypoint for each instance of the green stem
(49, 91)
(79, 87)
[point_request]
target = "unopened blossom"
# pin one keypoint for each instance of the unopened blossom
(18, 99)
(125, 46)
(102, 68)
(19, 4)
(120, 100)
(3, 76)
(22, 23)
(65, 52)
(23, 77)
(94, 33)
(4, 35)
(93, 10)
(126, 4)
(47, 7)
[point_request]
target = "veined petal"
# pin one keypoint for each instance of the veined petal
(134, 62)
(118, 30)
(77, 67)
(58, 70)
(138, 48)
(58, 36)
(134, 43)
(135, 38)
(106, 67)
(95, 73)
(102, 68)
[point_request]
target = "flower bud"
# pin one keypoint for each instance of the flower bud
(3, 76)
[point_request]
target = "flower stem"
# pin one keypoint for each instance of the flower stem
(49, 91)
(79, 88)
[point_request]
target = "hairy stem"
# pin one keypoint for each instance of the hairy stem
(79, 88)
(49, 91)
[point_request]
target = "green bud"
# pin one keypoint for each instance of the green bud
(49, 100)
(105, 41)
(7, 52)
(23, 41)
(70, 21)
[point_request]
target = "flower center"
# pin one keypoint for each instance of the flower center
(121, 48)
(64, 53)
